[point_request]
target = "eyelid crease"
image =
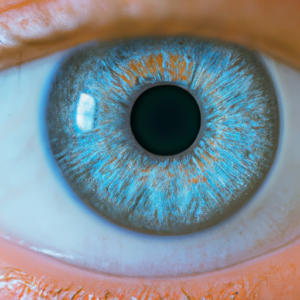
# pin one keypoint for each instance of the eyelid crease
(32, 29)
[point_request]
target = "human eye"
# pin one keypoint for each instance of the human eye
(281, 75)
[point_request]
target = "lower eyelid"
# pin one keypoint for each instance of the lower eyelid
(23, 272)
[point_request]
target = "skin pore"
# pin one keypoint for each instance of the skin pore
(32, 29)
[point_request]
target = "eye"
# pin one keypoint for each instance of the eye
(54, 221)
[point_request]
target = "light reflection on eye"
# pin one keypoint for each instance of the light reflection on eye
(78, 236)
(85, 112)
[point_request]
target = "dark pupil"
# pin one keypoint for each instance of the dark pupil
(165, 120)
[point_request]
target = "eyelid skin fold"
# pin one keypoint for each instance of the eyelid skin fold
(31, 29)
(27, 275)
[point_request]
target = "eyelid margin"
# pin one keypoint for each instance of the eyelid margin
(31, 30)
(23, 272)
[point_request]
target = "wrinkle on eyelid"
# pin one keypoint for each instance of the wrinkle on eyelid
(31, 29)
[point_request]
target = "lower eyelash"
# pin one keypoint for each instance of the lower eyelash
(175, 194)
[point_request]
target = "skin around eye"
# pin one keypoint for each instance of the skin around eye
(31, 30)
(282, 264)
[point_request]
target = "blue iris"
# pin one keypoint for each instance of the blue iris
(88, 121)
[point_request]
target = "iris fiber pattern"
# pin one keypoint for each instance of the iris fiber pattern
(178, 194)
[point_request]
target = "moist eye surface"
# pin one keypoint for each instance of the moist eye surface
(138, 167)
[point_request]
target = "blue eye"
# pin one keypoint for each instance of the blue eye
(40, 211)
(124, 127)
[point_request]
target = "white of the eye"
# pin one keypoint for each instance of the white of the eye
(85, 112)
(38, 211)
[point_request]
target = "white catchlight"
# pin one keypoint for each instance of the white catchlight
(85, 113)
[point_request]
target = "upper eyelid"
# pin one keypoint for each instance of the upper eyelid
(31, 30)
